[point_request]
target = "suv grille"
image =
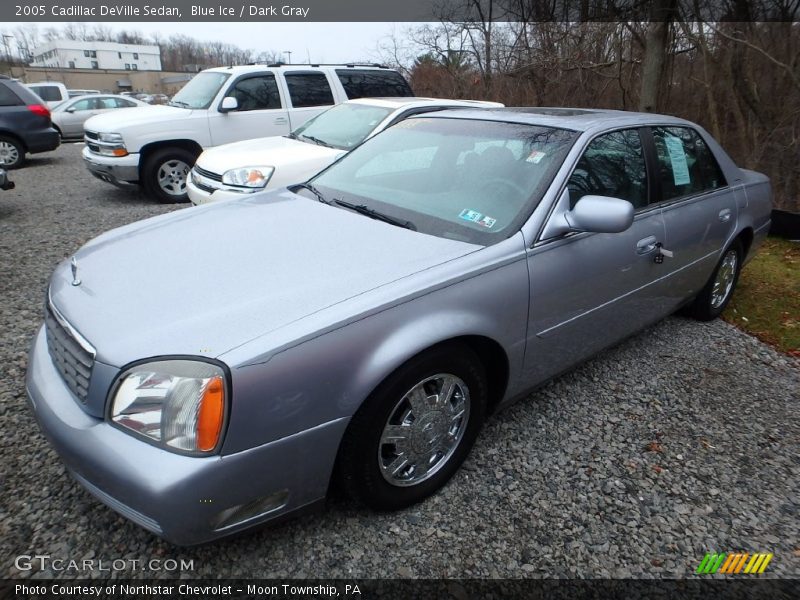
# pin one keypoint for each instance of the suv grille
(91, 135)
(73, 361)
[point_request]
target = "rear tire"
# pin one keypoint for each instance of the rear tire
(716, 294)
(12, 153)
(165, 174)
(414, 431)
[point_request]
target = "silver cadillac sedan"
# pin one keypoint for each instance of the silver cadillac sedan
(212, 369)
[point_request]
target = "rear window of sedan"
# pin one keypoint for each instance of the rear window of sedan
(464, 179)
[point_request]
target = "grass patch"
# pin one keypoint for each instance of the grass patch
(766, 302)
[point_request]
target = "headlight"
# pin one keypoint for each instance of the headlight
(248, 177)
(112, 138)
(178, 404)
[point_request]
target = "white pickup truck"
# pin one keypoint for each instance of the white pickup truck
(156, 146)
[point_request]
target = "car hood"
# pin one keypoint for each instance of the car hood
(275, 151)
(116, 120)
(201, 281)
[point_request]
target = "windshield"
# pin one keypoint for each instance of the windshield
(469, 180)
(344, 126)
(200, 91)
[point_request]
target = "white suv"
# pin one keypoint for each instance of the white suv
(156, 146)
(245, 167)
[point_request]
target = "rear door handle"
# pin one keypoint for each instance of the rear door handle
(280, 121)
(725, 215)
(646, 245)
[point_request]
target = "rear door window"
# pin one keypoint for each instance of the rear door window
(309, 89)
(686, 165)
(366, 83)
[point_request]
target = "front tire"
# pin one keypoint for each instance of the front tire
(716, 294)
(411, 435)
(12, 154)
(165, 174)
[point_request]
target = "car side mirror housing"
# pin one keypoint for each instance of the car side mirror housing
(600, 214)
(229, 103)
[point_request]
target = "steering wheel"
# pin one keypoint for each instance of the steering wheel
(495, 182)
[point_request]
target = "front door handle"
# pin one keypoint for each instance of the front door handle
(647, 245)
(725, 215)
(280, 121)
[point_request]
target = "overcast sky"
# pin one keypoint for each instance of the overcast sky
(319, 42)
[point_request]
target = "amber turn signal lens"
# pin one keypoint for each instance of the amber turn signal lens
(211, 414)
(120, 152)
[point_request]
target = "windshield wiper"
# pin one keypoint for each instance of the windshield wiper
(313, 190)
(317, 141)
(291, 135)
(363, 209)
(179, 103)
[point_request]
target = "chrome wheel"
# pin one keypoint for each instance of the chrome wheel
(172, 176)
(9, 153)
(423, 430)
(723, 282)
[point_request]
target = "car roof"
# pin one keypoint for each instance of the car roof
(576, 119)
(414, 102)
(239, 69)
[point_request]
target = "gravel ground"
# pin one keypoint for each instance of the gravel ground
(682, 440)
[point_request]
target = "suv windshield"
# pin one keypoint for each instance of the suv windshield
(200, 91)
(463, 179)
(344, 126)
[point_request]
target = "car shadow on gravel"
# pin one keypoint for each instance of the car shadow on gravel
(33, 162)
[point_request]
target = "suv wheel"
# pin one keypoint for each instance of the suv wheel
(165, 174)
(12, 154)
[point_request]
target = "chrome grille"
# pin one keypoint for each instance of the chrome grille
(72, 358)
(90, 134)
(207, 174)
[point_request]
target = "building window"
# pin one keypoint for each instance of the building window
(95, 65)
(90, 53)
(72, 64)
(119, 54)
(135, 67)
(127, 66)
(135, 56)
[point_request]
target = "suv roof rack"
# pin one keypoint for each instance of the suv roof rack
(350, 65)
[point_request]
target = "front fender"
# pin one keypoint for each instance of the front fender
(329, 377)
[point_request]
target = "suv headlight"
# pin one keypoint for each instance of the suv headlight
(111, 138)
(248, 177)
(178, 404)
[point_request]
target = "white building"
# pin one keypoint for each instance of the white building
(74, 54)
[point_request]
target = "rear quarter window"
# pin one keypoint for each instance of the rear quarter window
(373, 84)
(8, 98)
(48, 93)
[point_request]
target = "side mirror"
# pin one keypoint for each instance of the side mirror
(71, 109)
(229, 103)
(600, 214)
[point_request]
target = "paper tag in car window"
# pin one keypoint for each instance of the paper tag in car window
(535, 157)
(677, 157)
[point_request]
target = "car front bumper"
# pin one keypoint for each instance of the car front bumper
(200, 196)
(179, 498)
(113, 169)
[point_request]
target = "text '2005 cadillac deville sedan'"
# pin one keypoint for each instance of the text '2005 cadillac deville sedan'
(215, 368)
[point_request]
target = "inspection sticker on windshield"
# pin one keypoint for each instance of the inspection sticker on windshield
(535, 157)
(477, 218)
